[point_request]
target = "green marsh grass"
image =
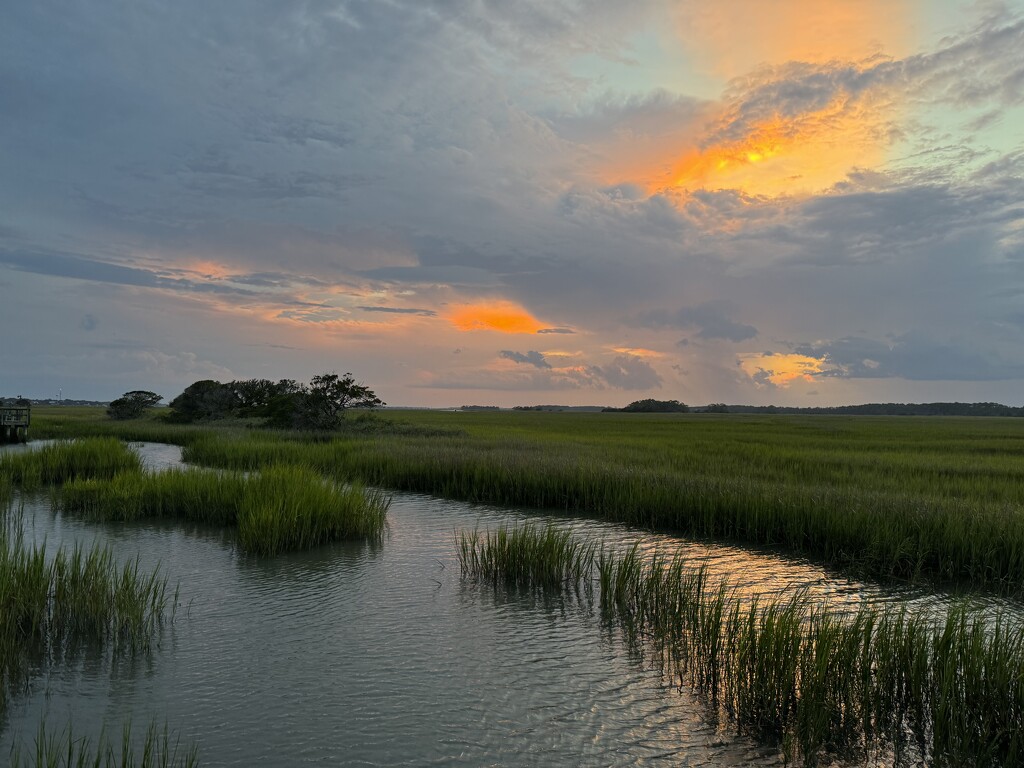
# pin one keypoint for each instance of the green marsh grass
(525, 556)
(942, 691)
(914, 499)
(51, 606)
(922, 498)
(65, 749)
(276, 509)
(62, 461)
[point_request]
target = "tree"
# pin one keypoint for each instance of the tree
(321, 405)
(256, 396)
(205, 399)
(132, 404)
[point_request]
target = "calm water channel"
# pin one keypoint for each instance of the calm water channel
(384, 655)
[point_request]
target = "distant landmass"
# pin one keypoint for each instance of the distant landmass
(887, 409)
(65, 401)
(673, 406)
(866, 409)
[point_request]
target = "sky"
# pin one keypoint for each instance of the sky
(788, 202)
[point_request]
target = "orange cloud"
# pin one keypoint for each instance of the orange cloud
(782, 369)
(501, 316)
(786, 155)
(787, 124)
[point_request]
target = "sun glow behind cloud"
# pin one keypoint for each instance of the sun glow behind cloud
(786, 123)
(781, 370)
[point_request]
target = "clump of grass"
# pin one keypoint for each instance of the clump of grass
(942, 692)
(288, 508)
(63, 461)
(64, 749)
(276, 509)
(525, 556)
(191, 494)
(50, 606)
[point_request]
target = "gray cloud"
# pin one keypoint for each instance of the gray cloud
(710, 318)
(629, 372)
(401, 311)
(449, 148)
(976, 68)
(912, 356)
(533, 358)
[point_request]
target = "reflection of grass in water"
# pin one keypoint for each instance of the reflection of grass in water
(50, 607)
(66, 750)
(276, 509)
(945, 691)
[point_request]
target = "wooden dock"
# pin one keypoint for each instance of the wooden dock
(15, 416)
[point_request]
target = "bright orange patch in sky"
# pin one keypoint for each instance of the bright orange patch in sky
(780, 153)
(501, 316)
(782, 370)
(780, 156)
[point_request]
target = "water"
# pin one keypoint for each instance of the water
(372, 655)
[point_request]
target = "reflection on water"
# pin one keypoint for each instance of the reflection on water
(362, 654)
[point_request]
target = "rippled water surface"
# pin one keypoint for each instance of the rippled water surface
(384, 655)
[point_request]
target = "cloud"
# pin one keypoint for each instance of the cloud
(501, 316)
(206, 176)
(629, 372)
(508, 381)
(771, 369)
(401, 311)
(533, 358)
(710, 318)
(913, 356)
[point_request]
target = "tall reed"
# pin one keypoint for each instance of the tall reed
(525, 556)
(51, 606)
(942, 691)
(64, 749)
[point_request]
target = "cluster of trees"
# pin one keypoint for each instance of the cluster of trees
(653, 406)
(319, 405)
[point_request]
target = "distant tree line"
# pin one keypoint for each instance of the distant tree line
(867, 409)
(889, 409)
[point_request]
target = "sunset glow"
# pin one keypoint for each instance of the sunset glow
(728, 201)
(501, 316)
(781, 370)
